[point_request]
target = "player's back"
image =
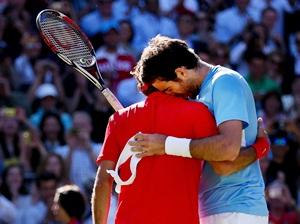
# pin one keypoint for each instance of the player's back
(166, 187)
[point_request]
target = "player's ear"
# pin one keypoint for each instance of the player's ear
(180, 72)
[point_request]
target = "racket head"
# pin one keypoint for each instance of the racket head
(65, 38)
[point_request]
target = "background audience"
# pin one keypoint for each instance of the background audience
(52, 120)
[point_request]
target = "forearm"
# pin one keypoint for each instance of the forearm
(245, 158)
(101, 203)
(215, 148)
(102, 193)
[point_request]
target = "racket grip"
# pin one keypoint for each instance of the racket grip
(112, 99)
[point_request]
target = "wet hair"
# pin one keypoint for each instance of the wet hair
(160, 59)
(72, 200)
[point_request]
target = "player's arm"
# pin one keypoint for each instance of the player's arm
(102, 193)
(220, 147)
(247, 155)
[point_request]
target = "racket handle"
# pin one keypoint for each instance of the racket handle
(112, 99)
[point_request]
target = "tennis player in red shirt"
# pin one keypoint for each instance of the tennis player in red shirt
(165, 190)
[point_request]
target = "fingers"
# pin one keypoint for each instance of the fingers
(261, 128)
(144, 154)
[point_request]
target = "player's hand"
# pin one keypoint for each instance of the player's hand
(148, 144)
(262, 143)
(261, 129)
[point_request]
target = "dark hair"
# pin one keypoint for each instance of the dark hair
(269, 95)
(42, 167)
(126, 21)
(5, 189)
(160, 59)
(44, 177)
(268, 9)
(72, 200)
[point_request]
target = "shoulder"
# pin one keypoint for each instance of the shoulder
(226, 75)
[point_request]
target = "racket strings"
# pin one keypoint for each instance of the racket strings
(66, 40)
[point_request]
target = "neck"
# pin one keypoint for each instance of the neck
(204, 68)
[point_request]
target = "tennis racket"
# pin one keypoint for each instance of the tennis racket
(64, 37)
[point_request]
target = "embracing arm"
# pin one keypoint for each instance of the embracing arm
(245, 158)
(247, 155)
(220, 147)
(102, 193)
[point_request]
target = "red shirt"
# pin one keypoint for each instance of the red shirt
(165, 190)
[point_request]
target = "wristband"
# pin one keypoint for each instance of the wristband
(178, 146)
(261, 147)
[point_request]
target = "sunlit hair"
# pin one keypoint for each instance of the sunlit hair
(160, 59)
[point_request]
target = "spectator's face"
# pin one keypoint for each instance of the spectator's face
(111, 38)
(269, 18)
(51, 128)
(242, 4)
(58, 212)
(257, 67)
(48, 103)
(14, 178)
(272, 105)
(54, 166)
(186, 24)
(47, 191)
(125, 32)
(81, 122)
(105, 7)
(10, 126)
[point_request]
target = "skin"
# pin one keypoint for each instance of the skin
(222, 147)
(102, 192)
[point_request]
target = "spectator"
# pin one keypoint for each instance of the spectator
(100, 114)
(46, 185)
(80, 153)
(204, 28)
(69, 205)
(239, 16)
(126, 35)
(47, 96)
(79, 97)
(13, 186)
(220, 54)
(103, 15)
(284, 153)
(257, 78)
(186, 24)
(281, 204)
(275, 68)
(114, 62)
(151, 15)
(55, 164)
(8, 211)
(128, 93)
(24, 64)
(272, 111)
(52, 131)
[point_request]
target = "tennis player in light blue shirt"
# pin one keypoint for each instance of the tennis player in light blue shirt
(232, 189)
(241, 192)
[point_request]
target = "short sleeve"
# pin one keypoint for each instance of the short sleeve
(110, 149)
(230, 100)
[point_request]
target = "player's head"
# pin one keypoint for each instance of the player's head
(69, 202)
(164, 60)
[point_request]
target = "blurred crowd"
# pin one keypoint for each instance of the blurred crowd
(53, 121)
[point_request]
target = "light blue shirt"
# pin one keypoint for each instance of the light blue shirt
(228, 97)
